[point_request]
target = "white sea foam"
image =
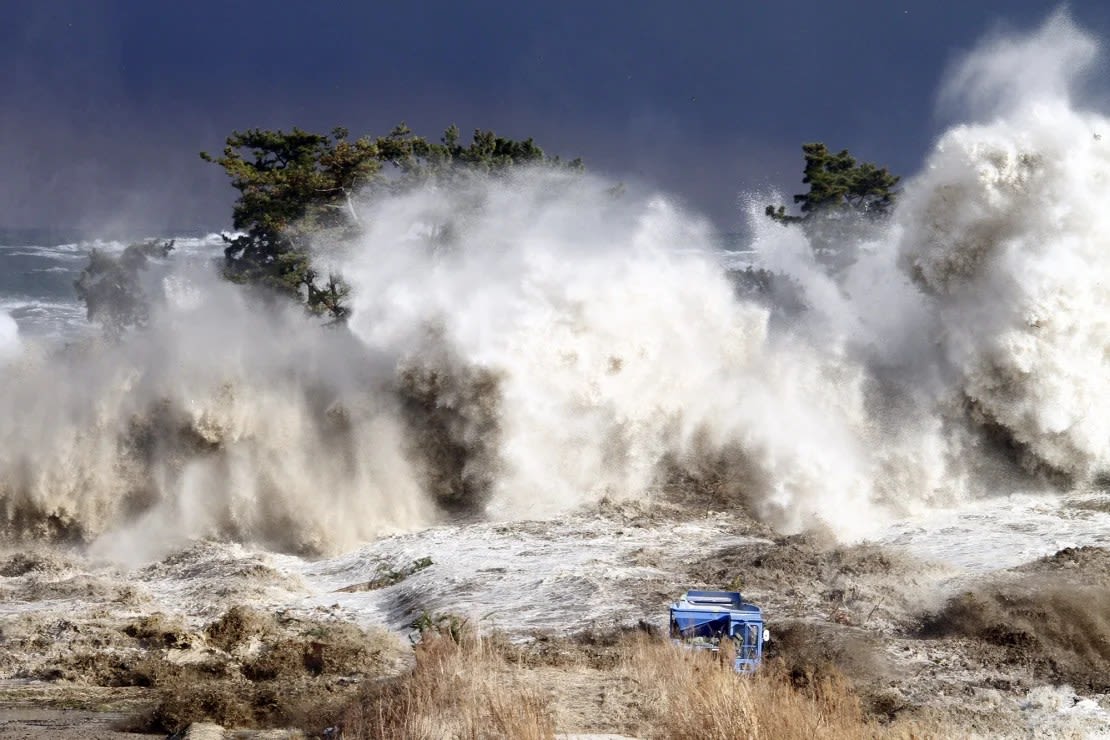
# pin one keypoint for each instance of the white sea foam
(524, 344)
(1007, 231)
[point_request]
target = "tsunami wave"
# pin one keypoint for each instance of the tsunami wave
(520, 346)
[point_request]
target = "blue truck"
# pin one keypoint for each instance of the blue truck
(702, 619)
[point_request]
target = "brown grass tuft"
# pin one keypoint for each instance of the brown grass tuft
(470, 688)
(461, 687)
(696, 695)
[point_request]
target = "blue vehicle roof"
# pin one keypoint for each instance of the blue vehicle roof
(710, 605)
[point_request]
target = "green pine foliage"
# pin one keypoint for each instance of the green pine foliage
(845, 197)
(294, 186)
(838, 183)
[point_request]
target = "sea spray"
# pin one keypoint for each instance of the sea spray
(562, 346)
(1007, 232)
(611, 342)
(222, 418)
(523, 344)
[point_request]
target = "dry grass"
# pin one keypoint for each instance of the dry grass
(695, 694)
(461, 687)
(472, 688)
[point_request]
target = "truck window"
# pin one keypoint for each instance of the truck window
(747, 641)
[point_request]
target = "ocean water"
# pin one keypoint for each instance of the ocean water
(39, 266)
(943, 390)
(503, 417)
(989, 529)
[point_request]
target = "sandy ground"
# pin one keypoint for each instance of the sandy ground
(40, 709)
(1020, 652)
(26, 722)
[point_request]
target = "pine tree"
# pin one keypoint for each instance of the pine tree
(293, 186)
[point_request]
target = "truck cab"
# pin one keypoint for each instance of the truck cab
(702, 619)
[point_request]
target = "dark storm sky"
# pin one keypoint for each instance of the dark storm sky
(104, 105)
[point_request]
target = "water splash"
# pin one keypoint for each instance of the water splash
(523, 345)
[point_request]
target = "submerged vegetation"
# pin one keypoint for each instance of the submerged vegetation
(111, 286)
